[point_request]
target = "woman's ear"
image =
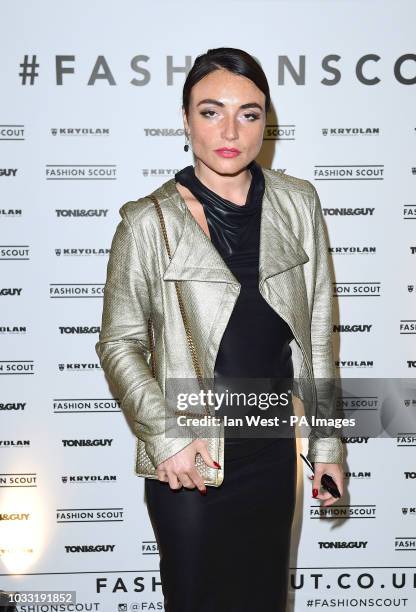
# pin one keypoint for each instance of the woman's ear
(185, 121)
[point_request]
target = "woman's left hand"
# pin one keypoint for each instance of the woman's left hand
(332, 469)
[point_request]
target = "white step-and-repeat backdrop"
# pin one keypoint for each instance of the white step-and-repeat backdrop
(90, 118)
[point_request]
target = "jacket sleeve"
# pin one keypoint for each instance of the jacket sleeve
(123, 347)
(325, 445)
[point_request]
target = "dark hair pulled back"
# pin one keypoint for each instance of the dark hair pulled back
(235, 60)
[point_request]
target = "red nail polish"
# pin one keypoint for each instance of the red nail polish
(203, 492)
(217, 464)
(315, 492)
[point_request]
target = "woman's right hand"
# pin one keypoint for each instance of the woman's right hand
(180, 470)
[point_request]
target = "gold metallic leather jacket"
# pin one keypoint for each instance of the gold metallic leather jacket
(294, 278)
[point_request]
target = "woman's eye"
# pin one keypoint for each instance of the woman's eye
(253, 115)
(249, 116)
(205, 113)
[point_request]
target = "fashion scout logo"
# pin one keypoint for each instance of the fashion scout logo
(274, 131)
(17, 367)
(408, 439)
(357, 289)
(349, 172)
(404, 544)
(89, 515)
(19, 480)
(150, 547)
(288, 69)
(407, 327)
(81, 213)
(320, 578)
(12, 132)
(82, 252)
(409, 211)
(80, 132)
(14, 252)
(351, 131)
(348, 212)
(86, 405)
(345, 511)
(135, 583)
(81, 172)
(355, 588)
(51, 600)
(76, 290)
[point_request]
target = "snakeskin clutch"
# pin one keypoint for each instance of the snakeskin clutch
(211, 476)
(144, 466)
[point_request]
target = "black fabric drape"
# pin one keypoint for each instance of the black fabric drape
(255, 344)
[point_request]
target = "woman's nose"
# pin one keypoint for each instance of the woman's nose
(230, 129)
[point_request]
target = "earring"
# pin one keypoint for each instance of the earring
(186, 145)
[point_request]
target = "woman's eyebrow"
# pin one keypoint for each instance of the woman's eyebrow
(218, 103)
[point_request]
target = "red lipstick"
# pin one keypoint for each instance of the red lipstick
(227, 152)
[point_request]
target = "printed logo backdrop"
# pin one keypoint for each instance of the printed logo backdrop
(90, 118)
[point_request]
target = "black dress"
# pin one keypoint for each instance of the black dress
(228, 551)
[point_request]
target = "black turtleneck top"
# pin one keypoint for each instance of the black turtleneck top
(255, 343)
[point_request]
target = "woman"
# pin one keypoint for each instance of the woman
(249, 250)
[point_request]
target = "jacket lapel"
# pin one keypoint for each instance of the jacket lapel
(196, 258)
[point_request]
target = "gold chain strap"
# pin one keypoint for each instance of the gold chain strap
(181, 308)
(152, 346)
